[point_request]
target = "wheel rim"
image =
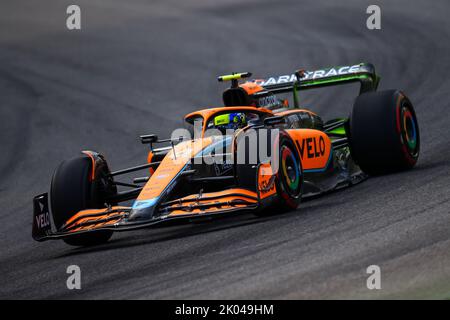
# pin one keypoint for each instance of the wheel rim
(290, 170)
(409, 130)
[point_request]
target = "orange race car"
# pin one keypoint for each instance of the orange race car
(256, 153)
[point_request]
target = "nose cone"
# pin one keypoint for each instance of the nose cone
(143, 210)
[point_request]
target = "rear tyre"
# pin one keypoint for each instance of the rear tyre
(384, 132)
(73, 189)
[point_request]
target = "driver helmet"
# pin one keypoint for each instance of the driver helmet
(230, 121)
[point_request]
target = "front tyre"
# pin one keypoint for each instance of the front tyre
(289, 175)
(78, 184)
(384, 132)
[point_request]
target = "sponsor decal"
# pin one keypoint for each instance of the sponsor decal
(310, 75)
(43, 220)
(267, 185)
(266, 181)
(268, 101)
(221, 169)
(139, 204)
(311, 147)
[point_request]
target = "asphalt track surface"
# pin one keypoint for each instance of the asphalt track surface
(138, 67)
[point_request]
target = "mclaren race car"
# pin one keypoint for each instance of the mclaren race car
(258, 152)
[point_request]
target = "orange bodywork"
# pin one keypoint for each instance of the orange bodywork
(171, 165)
(251, 87)
(230, 199)
(314, 147)
(149, 160)
(266, 181)
(95, 218)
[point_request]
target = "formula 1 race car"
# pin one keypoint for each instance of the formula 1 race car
(258, 153)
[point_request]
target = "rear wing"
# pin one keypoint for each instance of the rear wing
(364, 73)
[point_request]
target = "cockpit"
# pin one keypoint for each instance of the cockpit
(225, 120)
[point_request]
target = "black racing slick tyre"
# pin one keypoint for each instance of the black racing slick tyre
(384, 132)
(73, 188)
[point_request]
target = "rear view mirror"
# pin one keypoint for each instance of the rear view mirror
(149, 138)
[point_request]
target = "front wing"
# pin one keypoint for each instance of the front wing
(116, 218)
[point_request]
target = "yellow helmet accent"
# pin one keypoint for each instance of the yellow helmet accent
(222, 119)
